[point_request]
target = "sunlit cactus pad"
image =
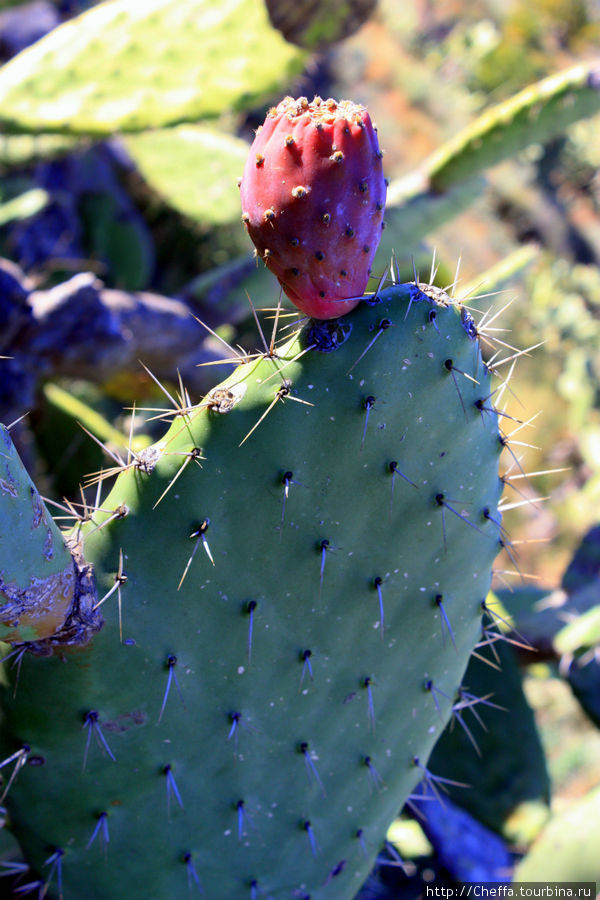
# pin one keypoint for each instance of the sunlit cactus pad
(298, 608)
(129, 65)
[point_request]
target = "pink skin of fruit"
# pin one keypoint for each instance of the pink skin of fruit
(313, 194)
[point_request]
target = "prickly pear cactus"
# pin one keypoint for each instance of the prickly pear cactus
(293, 583)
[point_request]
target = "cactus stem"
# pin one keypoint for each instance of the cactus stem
(383, 326)
(19, 758)
(172, 789)
(101, 827)
(171, 663)
(93, 725)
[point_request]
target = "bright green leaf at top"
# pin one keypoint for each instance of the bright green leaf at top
(126, 65)
(194, 169)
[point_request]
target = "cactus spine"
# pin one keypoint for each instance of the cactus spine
(290, 610)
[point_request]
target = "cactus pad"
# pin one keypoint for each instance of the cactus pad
(124, 65)
(299, 574)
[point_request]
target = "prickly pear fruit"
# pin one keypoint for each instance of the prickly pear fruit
(313, 194)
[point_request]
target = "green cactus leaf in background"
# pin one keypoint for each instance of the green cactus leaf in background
(125, 65)
(294, 581)
(582, 633)
(117, 240)
(194, 169)
(584, 568)
(451, 179)
(568, 849)
(536, 114)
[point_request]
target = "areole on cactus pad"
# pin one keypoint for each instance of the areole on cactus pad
(313, 195)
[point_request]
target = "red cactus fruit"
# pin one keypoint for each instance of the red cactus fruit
(313, 194)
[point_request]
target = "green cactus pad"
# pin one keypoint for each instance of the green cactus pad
(298, 608)
(37, 575)
(46, 594)
(534, 115)
(193, 169)
(124, 65)
(568, 849)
